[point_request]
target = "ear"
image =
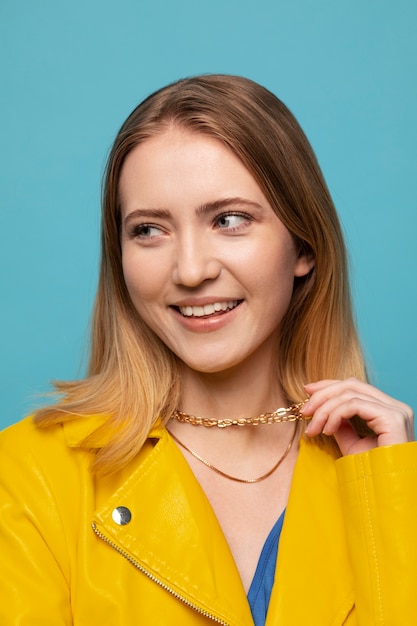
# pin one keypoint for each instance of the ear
(304, 263)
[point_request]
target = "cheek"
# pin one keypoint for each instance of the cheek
(278, 281)
(279, 265)
(142, 284)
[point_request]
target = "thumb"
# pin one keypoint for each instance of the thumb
(347, 438)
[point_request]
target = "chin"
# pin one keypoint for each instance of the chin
(214, 366)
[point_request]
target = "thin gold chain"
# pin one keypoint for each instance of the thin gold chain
(289, 414)
(235, 478)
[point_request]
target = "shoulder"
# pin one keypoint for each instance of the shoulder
(54, 439)
(26, 433)
(59, 455)
(36, 456)
(44, 484)
(27, 437)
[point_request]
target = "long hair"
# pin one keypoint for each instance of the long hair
(133, 377)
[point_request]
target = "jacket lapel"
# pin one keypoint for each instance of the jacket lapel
(173, 533)
(313, 582)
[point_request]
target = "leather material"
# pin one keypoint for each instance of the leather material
(143, 546)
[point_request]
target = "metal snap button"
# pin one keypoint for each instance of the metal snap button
(121, 515)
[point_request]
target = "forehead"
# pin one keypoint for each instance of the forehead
(184, 166)
(173, 142)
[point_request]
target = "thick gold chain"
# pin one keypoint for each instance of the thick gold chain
(290, 414)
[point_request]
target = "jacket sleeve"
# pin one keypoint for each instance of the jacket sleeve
(34, 568)
(379, 500)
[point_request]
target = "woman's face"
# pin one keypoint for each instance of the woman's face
(207, 263)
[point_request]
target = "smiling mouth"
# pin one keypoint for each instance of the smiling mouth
(208, 309)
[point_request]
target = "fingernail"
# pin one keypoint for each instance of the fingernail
(305, 409)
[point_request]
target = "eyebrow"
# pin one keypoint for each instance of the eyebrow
(210, 207)
(151, 213)
(207, 207)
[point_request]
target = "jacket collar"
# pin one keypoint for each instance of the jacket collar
(77, 430)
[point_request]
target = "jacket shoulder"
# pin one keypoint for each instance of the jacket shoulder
(26, 433)
(33, 455)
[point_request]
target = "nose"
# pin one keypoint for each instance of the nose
(195, 261)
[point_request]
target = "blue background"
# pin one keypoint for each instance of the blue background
(72, 71)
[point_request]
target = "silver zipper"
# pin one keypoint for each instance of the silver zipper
(154, 579)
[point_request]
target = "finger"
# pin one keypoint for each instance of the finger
(349, 442)
(328, 413)
(388, 422)
(324, 389)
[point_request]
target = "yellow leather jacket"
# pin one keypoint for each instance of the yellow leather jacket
(143, 546)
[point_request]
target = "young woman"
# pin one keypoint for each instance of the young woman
(166, 487)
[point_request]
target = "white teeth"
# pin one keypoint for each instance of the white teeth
(208, 309)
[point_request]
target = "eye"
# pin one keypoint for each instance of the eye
(146, 231)
(232, 221)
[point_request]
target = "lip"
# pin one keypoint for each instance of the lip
(207, 323)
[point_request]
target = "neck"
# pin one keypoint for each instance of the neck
(248, 451)
(231, 394)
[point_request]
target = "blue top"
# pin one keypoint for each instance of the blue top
(261, 587)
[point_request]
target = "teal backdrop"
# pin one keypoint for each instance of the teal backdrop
(72, 71)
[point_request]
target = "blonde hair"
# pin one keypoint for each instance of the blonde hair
(133, 377)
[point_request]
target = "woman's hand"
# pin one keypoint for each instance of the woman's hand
(333, 402)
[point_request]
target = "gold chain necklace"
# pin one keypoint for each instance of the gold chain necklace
(235, 478)
(289, 414)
